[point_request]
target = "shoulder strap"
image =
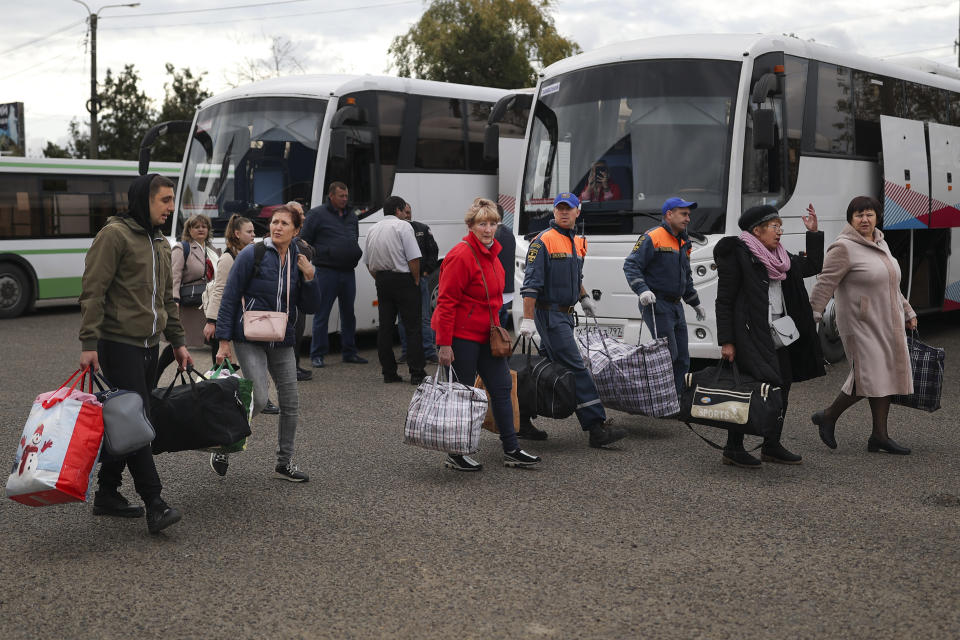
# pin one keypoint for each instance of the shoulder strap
(259, 250)
(482, 278)
(186, 250)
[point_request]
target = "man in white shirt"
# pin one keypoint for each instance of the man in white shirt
(392, 256)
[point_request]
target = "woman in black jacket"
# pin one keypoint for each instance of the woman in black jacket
(760, 282)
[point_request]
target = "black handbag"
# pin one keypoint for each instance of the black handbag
(126, 427)
(191, 295)
(722, 397)
(198, 414)
(544, 388)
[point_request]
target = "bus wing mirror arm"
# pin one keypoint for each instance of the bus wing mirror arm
(162, 129)
(491, 143)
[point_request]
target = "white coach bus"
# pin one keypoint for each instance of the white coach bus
(733, 121)
(50, 211)
(258, 146)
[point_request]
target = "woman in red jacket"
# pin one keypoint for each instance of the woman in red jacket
(471, 292)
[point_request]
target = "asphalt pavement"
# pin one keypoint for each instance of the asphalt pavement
(652, 538)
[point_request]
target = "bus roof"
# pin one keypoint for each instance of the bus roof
(84, 167)
(325, 86)
(741, 46)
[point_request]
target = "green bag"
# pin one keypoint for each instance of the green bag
(246, 398)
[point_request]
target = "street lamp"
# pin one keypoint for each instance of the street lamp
(92, 17)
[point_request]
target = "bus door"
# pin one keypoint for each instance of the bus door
(919, 161)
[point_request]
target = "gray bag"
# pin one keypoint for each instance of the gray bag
(126, 427)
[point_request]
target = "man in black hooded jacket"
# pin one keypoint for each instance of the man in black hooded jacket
(126, 304)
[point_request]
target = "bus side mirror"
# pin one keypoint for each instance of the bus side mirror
(338, 144)
(491, 143)
(349, 114)
(764, 129)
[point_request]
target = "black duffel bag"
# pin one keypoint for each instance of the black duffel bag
(198, 414)
(722, 397)
(544, 388)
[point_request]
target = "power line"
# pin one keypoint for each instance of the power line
(39, 64)
(42, 38)
(262, 18)
(230, 8)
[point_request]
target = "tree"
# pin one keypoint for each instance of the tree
(183, 94)
(493, 43)
(125, 115)
(281, 61)
(53, 150)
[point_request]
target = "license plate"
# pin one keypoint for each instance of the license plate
(609, 330)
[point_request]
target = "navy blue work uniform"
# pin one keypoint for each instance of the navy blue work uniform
(660, 262)
(553, 274)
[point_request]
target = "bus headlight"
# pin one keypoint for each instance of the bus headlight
(701, 270)
(701, 334)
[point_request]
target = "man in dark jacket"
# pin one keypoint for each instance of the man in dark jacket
(334, 232)
(429, 262)
(121, 324)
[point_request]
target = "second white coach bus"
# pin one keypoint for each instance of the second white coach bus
(284, 139)
(733, 121)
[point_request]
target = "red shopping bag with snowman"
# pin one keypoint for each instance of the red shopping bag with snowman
(59, 447)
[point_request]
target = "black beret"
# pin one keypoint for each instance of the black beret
(757, 215)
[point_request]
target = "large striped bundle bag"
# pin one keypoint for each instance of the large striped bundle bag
(446, 416)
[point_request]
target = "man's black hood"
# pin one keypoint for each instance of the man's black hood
(138, 198)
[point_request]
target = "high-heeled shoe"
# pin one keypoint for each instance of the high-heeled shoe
(874, 445)
(826, 429)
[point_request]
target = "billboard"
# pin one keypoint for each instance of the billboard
(12, 141)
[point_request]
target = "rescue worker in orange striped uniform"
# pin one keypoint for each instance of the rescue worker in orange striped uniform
(658, 271)
(552, 286)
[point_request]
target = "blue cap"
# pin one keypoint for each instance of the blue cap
(673, 203)
(567, 198)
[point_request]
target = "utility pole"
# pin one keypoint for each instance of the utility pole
(94, 102)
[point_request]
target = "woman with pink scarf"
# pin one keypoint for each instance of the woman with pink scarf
(764, 320)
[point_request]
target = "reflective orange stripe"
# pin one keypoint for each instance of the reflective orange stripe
(663, 238)
(556, 242)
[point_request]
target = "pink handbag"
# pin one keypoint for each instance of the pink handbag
(266, 326)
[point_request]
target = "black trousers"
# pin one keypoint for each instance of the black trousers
(397, 293)
(735, 439)
(135, 369)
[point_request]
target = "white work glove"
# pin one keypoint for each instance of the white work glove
(701, 313)
(528, 328)
(647, 298)
(589, 307)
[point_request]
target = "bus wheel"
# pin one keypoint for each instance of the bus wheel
(433, 288)
(830, 343)
(15, 291)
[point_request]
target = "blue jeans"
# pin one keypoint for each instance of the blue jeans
(259, 359)
(558, 344)
(471, 358)
(671, 323)
(340, 286)
(429, 346)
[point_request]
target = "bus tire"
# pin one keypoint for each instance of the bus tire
(433, 288)
(16, 290)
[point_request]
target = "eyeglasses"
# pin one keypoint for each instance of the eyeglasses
(775, 226)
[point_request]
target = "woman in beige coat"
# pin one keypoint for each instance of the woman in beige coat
(871, 315)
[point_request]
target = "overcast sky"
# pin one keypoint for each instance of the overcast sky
(46, 59)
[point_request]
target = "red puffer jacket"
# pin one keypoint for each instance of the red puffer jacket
(462, 307)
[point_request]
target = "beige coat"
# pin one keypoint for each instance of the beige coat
(193, 271)
(215, 292)
(871, 312)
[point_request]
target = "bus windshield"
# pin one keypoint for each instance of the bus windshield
(249, 155)
(625, 137)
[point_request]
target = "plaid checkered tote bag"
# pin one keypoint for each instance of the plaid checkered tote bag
(446, 416)
(631, 378)
(926, 362)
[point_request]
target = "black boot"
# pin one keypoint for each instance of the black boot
(738, 457)
(601, 436)
(776, 452)
(160, 516)
(109, 502)
(527, 431)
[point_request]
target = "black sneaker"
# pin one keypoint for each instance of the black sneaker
(109, 502)
(219, 463)
(387, 379)
(740, 458)
(520, 458)
(601, 436)
(304, 374)
(270, 408)
(529, 432)
(290, 472)
(461, 463)
(778, 453)
(417, 379)
(160, 516)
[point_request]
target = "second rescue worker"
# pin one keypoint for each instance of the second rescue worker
(552, 285)
(658, 270)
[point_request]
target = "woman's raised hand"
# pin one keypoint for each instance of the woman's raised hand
(810, 220)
